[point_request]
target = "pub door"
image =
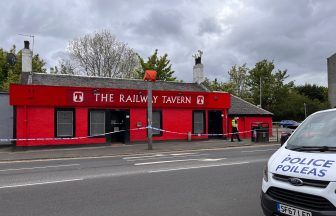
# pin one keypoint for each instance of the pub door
(215, 123)
(118, 122)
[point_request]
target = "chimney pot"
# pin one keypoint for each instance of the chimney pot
(27, 60)
(26, 44)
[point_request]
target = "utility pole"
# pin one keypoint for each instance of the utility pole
(260, 92)
(305, 109)
(150, 77)
(150, 115)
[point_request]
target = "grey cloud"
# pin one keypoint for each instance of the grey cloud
(209, 25)
(297, 35)
(49, 19)
(161, 24)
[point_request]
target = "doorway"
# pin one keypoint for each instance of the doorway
(118, 122)
(215, 123)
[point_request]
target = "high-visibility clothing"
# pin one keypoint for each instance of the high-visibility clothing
(234, 123)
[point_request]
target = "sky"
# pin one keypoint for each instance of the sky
(296, 35)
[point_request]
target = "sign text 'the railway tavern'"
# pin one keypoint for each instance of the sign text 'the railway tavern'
(136, 98)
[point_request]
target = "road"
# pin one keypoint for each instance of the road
(207, 182)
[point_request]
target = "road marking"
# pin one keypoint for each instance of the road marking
(197, 167)
(146, 156)
(261, 150)
(161, 162)
(167, 157)
(182, 154)
(174, 161)
(159, 155)
(44, 167)
(40, 183)
(212, 159)
(123, 155)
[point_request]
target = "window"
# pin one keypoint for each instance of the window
(157, 122)
(198, 122)
(65, 123)
(97, 122)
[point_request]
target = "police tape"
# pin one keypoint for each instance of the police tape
(207, 134)
(133, 129)
(70, 138)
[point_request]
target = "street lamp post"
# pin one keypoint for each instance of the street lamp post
(150, 76)
(150, 115)
(305, 109)
(260, 93)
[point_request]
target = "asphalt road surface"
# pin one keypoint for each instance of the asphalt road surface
(213, 182)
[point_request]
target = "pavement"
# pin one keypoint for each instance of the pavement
(85, 151)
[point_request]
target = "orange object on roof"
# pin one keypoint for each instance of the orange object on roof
(150, 75)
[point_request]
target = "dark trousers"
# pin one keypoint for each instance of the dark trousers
(235, 133)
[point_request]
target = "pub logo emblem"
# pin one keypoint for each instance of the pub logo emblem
(78, 97)
(200, 100)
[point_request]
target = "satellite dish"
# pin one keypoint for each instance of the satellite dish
(11, 59)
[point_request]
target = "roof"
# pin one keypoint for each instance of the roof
(238, 105)
(103, 82)
(242, 107)
(332, 56)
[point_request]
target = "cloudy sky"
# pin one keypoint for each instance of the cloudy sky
(297, 35)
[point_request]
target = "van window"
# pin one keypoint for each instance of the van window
(318, 130)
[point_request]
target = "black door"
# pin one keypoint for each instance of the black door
(215, 123)
(118, 122)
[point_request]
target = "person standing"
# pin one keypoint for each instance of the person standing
(235, 131)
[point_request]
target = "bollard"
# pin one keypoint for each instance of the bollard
(189, 136)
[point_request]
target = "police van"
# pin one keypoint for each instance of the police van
(300, 178)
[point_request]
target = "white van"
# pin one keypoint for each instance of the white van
(300, 178)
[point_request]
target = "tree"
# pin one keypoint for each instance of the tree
(11, 73)
(65, 66)
(284, 99)
(293, 106)
(218, 86)
(101, 54)
(261, 75)
(262, 80)
(314, 92)
(238, 76)
(160, 64)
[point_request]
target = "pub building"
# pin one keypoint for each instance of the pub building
(54, 109)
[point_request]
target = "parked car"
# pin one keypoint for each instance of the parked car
(288, 123)
(285, 135)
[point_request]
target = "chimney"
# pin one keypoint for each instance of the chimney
(198, 75)
(27, 58)
(331, 67)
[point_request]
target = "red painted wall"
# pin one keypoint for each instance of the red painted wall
(38, 122)
(37, 95)
(138, 115)
(36, 111)
(245, 123)
(177, 120)
(36, 107)
(174, 120)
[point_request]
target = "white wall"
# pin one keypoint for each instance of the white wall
(6, 118)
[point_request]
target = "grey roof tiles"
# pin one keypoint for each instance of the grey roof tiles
(238, 105)
(242, 107)
(100, 82)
